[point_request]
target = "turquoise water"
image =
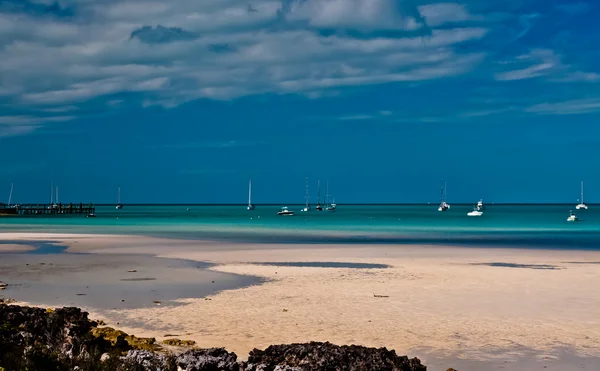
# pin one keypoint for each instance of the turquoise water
(524, 226)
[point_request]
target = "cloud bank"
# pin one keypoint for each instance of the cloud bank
(68, 53)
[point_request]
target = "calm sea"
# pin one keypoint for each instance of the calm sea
(518, 226)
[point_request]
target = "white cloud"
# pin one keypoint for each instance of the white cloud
(570, 107)
(442, 13)
(579, 76)
(24, 124)
(361, 14)
(53, 64)
(544, 63)
(541, 62)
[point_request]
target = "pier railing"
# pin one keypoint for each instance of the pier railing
(47, 209)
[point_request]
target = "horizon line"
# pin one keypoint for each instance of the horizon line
(303, 204)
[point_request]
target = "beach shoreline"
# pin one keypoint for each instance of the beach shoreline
(434, 302)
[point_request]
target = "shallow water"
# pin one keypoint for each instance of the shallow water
(522, 226)
(111, 281)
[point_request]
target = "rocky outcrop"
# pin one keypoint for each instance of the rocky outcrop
(179, 343)
(207, 359)
(123, 341)
(65, 339)
(327, 356)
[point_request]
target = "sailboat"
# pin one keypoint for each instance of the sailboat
(444, 206)
(119, 205)
(9, 209)
(307, 207)
(10, 194)
(319, 207)
(285, 211)
(572, 217)
(332, 206)
(52, 203)
(582, 205)
(250, 206)
(477, 210)
(480, 204)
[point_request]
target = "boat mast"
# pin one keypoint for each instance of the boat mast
(442, 192)
(306, 192)
(327, 192)
(51, 192)
(582, 192)
(10, 194)
(318, 192)
(250, 192)
(445, 192)
(56, 194)
(118, 195)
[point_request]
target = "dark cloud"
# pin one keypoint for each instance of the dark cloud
(35, 8)
(221, 48)
(161, 34)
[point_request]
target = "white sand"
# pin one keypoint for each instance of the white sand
(438, 301)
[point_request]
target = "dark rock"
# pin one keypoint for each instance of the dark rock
(179, 343)
(145, 360)
(327, 356)
(217, 359)
(122, 341)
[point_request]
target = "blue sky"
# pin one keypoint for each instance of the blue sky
(184, 100)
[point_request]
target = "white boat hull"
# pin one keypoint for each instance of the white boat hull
(475, 213)
(572, 218)
(285, 213)
(581, 207)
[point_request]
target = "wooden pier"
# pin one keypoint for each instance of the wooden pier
(53, 209)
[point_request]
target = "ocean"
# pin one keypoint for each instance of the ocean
(524, 226)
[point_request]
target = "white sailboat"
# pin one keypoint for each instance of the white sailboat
(572, 217)
(119, 205)
(332, 206)
(582, 205)
(319, 207)
(480, 204)
(250, 206)
(476, 211)
(444, 206)
(285, 211)
(10, 194)
(307, 206)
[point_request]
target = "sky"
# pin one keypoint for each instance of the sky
(185, 100)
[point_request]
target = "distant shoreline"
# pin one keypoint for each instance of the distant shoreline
(344, 204)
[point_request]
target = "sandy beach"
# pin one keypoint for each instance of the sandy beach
(477, 308)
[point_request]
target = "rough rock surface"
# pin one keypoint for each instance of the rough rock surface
(144, 360)
(207, 360)
(65, 339)
(327, 356)
(179, 343)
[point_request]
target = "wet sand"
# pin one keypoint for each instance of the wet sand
(468, 308)
(40, 273)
